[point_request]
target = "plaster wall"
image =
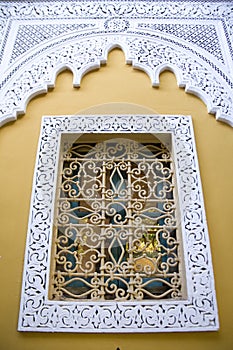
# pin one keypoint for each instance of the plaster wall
(114, 88)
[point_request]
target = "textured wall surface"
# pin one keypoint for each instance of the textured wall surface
(113, 88)
(40, 38)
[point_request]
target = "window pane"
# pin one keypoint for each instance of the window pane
(116, 235)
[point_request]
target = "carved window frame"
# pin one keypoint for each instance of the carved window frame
(196, 312)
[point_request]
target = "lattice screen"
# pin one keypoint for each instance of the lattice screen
(116, 234)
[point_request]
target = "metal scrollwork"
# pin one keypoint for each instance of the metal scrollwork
(116, 235)
(115, 255)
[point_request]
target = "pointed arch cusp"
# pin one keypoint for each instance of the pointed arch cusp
(78, 74)
(202, 96)
(171, 68)
(39, 72)
(61, 68)
(116, 45)
(83, 71)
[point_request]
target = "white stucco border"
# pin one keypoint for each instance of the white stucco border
(32, 54)
(197, 312)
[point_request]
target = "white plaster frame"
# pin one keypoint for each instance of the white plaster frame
(40, 38)
(197, 312)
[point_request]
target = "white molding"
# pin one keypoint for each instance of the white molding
(38, 39)
(196, 312)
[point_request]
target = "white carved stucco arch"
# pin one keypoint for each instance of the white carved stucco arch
(183, 44)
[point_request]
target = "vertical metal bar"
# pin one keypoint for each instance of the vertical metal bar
(130, 229)
(103, 233)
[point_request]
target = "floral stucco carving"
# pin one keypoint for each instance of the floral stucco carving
(193, 39)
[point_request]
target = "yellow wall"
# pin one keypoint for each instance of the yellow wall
(121, 88)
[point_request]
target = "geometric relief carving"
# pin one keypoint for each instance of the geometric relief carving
(33, 35)
(205, 36)
(195, 310)
(192, 39)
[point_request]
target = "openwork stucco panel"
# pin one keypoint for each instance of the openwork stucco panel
(193, 39)
(195, 311)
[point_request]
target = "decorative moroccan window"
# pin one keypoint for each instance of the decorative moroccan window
(117, 221)
(117, 237)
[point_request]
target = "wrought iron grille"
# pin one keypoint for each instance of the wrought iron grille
(116, 235)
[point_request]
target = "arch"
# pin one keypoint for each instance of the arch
(60, 68)
(170, 67)
(81, 52)
(116, 45)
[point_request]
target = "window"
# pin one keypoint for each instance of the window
(117, 236)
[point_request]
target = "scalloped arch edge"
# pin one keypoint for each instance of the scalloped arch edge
(78, 72)
(154, 77)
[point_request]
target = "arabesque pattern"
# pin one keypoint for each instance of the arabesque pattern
(194, 39)
(116, 230)
(196, 310)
